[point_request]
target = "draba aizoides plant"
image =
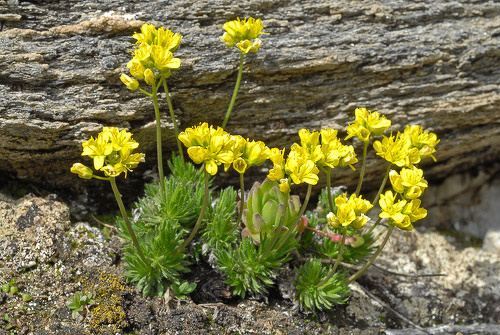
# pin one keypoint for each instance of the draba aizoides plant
(251, 239)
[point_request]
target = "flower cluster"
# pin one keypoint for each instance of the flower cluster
(409, 182)
(153, 56)
(244, 34)
(111, 153)
(249, 153)
(316, 149)
(335, 154)
(401, 213)
(297, 166)
(210, 146)
(350, 211)
(407, 148)
(367, 124)
(401, 205)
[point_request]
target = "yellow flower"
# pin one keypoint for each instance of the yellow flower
(136, 68)
(82, 171)
(122, 163)
(409, 182)
(149, 77)
(143, 53)
(121, 140)
(309, 145)
(334, 152)
(328, 135)
(350, 211)
(343, 216)
(208, 145)
(277, 156)
(131, 83)
(284, 185)
(247, 46)
(163, 59)
(168, 39)
(393, 210)
(147, 34)
(414, 211)
(367, 124)
(249, 153)
(300, 168)
(243, 34)
(424, 141)
(111, 152)
(397, 150)
(98, 149)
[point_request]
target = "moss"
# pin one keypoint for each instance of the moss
(107, 315)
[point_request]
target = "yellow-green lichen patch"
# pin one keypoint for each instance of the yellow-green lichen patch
(107, 314)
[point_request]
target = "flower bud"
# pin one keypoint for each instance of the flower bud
(149, 77)
(131, 83)
(284, 185)
(82, 171)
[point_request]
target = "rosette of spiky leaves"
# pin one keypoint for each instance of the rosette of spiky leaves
(267, 208)
(353, 254)
(161, 224)
(185, 171)
(182, 201)
(222, 226)
(317, 290)
(251, 268)
(165, 262)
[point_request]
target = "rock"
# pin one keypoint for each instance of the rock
(468, 291)
(465, 202)
(429, 62)
(491, 242)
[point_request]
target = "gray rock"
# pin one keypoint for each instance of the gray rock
(429, 62)
(466, 202)
(469, 290)
(491, 242)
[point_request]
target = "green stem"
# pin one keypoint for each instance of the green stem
(381, 188)
(363, 168)
(174, 121)
(235, 91)
(338, 260)
(145, 92)
(340, 254)
(124, 214)
(373, 226)
(242, 195)
(197, 225)
(159, 152)
(365, 267)
(306, 201)
(329, 188)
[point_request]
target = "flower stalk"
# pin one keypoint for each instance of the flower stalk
(329, 188)
(306, 201)
(382, 185)
(159, 152)
(363, 168)
(198, 223)
(174, 121)
(235, 91)
(124, 215)
(372, 259)
(242, 194)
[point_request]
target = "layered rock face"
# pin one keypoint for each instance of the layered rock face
(434, 63)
